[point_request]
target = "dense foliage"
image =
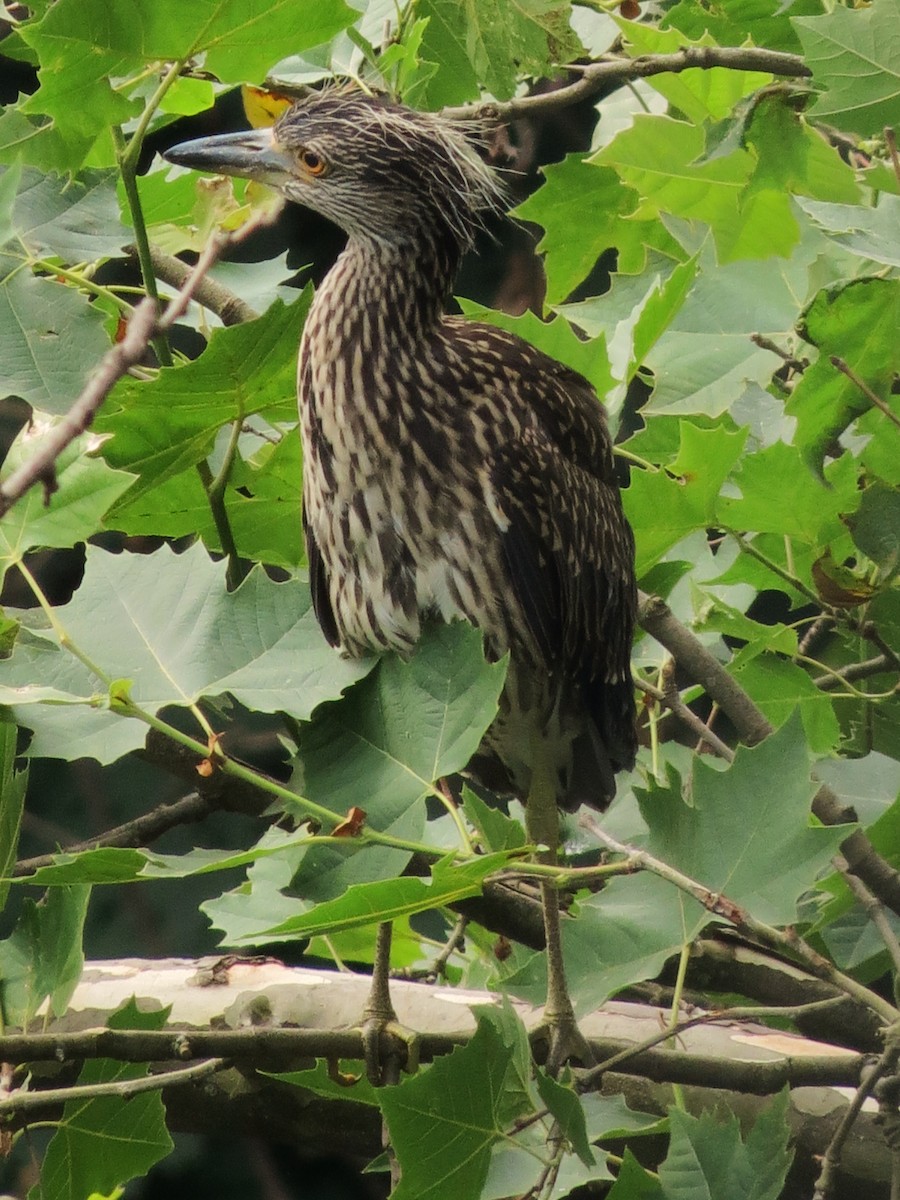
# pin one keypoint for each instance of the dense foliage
(745, 348)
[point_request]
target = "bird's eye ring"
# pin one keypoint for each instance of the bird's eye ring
(312, 162)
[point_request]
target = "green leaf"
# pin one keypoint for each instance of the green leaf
(854, 55)
(578, 194)
(167, 621)
(793, 157)
(735, 22)
(876, 526)
(76, 220)
(870, 233)
(262, 499)
(10, 179)
(387, 900)
(565, 1108)
(779, 687)
(708, 1161)
(42, 958)
(496, 829)
(100, 1144)
(858, 322)
(779, 495)
(657, 158)
(319, 1080)
(611, 944)
(166, 426)
(493, 44)
(50, 340)
(635, 1183)
(83, 44)
(665, 506)
(408, 724)
(444, 1121)
(86, 489)
(705, 361)
(702, 95)
(743, 838)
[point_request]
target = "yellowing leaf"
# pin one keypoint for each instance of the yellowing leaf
(263, 108)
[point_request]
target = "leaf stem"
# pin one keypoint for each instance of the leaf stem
(230, 766)
(215, 495)
(133, 151)
(141, 240)
(82, 281)
(59, 629)
(797, 584)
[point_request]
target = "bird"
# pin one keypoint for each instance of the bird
(451, 469)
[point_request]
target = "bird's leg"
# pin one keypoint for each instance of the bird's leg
(542, 821)
(379, 1019)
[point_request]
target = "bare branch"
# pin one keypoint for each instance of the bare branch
(671, 698)
(598, 76)
(210, 293)
(19, 1102)
(689, 652)
(861, 384)
(875, 910)
(143, 326)
(753, 727)
(738, 916)
(139, 832)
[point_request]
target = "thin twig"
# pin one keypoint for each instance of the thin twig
(597, 77)
(860, 670)
(737, 915)
(143, 326)
(230, 308)
(671, 698)
(139, 832)
(874, 910)
(831, 1161)
(20, 1102)
(861, 384)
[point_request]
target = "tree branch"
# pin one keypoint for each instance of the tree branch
(132, 834)
(598, 76)
(228, 306)
(718, 904)
(143, 326)
(752, 727)
(20, 1102)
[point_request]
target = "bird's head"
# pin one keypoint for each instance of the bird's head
(378, 170)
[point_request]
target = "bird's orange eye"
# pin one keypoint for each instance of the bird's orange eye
(314, 163)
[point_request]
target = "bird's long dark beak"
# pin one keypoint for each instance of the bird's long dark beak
(253, 154)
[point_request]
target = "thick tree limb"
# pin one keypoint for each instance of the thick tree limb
(266, 1015)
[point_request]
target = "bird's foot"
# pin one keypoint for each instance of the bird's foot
(388, 1048)
(565, 1043)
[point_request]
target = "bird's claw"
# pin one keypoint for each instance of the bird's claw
(388, 1048)
(565, 1044)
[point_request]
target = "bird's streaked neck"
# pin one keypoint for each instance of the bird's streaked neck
(401, 285)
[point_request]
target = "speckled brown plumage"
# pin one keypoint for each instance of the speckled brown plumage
(451, 469)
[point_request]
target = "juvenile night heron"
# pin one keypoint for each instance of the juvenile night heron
(451, 470)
